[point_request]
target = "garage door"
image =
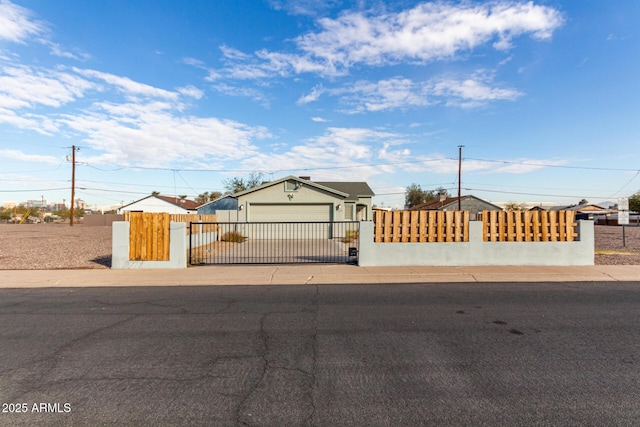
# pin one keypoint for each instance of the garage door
(314, 221)
(289, 213)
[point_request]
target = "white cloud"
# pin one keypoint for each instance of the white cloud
(242, 91)
(147, 127)
(471, 92)
(16, 23)
(382, 95)
(349, 152)
(319, 119)
(152, 134)
(23, 157)
(303, 7)
(191, 91)
(126, 85)
(22, 86)
(314, 95)
(427, 32)
(402, 93)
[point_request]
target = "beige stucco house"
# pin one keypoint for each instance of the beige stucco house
(292, 199)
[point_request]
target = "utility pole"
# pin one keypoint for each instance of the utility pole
(42, 207)
(73, 183)
(459, 176)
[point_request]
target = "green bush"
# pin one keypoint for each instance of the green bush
(233, 236)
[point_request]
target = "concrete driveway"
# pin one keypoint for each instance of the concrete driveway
(282, 251)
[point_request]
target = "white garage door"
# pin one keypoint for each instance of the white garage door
(280, 219)
(289, 212)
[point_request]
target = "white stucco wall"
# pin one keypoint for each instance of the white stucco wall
(178, 247)
(476, 251)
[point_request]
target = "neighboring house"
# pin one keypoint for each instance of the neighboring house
(294, 198)
(157, 203)
(225, 208)
(472, 204)
(588, 211)
(588, 208)
(224, 203)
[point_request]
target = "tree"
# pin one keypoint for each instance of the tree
(583, 202)
(235, 185)
(415, 195)
(5, 214)
(513, 206)
(634, 202)
(155, 193)
(207, 197)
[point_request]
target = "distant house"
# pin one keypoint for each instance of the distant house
(158, 203)
(469, 203)
(293, 199)
(588, 208)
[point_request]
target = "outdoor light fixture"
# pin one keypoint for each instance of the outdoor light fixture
(240, 207)
(338, 207)
(290, 196)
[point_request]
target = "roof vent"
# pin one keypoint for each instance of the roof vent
(307, 178)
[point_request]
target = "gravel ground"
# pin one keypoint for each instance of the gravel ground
(609, 249)
(54, 246)
(59, 246)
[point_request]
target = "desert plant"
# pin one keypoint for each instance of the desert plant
(233, 236)
(350, 236)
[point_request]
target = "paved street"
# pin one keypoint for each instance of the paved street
(323, 355)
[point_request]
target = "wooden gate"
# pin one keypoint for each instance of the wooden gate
(148, 236)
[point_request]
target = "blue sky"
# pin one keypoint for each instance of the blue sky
(176, 97)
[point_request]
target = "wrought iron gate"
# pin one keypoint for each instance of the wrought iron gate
(273, 242)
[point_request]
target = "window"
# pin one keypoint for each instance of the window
(291, 185)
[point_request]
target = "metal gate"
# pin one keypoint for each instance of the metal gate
(273, 242)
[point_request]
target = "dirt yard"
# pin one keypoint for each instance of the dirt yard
(59, 246)
(54, 246)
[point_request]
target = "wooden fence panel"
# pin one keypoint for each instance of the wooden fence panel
(148, 236)
(517, 226)
(421, 226)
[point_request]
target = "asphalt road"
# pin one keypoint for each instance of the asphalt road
(382, 355)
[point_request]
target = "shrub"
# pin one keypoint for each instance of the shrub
(233, 236)
(350, 236)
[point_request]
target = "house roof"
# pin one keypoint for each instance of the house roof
(218, 199)
(448, 202)
(588, 207)
(185, 204)
(355, 190)
(293, 178)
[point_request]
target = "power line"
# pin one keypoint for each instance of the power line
(546, 165)
(40, 189)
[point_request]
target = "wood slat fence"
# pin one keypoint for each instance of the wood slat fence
(528, 226)
(148, 236)
(149, 233)
(188, 219)
(421, 226)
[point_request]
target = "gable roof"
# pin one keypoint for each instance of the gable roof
(187, 204)
(224, 196)
(588, 207)
(437, 204)
(355, 190)
(297, 179)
